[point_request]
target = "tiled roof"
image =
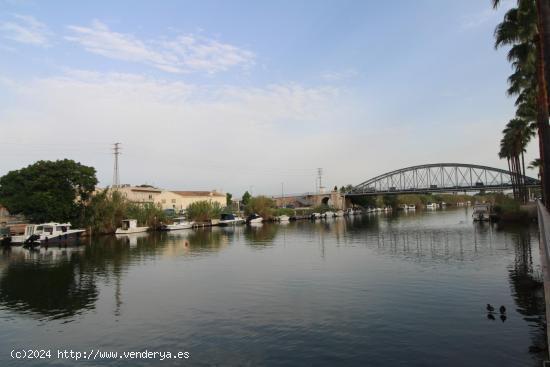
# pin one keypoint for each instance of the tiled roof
(199, 193)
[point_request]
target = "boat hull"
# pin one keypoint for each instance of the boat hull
(131, 230)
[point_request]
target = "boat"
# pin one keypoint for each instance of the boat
(179, 223)
(411, 207)
(339, 213)
(329, 214)
(315, 215)
(481, 213)
(47, 232)
(254, 218)
(230, 219)
(130, 226)
(431, 206)
(283, 218)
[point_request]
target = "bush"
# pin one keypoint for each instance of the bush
(283, 211)
(203, 211)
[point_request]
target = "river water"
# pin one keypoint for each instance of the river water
(379, 290)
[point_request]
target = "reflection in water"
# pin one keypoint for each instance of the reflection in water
(336, 286)
(54, 290)
(528, 290)
(261, 235)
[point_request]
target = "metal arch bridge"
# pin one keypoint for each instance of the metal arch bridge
(438, 177)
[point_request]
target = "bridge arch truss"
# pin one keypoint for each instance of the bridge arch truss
(439, 177)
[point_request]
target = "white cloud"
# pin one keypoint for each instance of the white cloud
(183, 54)
(174, 134)
(26, 29)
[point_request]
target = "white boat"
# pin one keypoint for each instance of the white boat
(315, 215)
(179, 223)
(431, 206)
(48, 232)
(388, 209)
(283, 218)
(411, 207)
(481, 212)
(130, 226)
(254, 218)
(443, 204)
(230, 219)
(329, 214)
(339, 213)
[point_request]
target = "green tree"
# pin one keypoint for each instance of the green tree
(262, 205)
(246, 198)
(48, 190)
(228, 198)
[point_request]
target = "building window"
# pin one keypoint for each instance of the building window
(150, 197)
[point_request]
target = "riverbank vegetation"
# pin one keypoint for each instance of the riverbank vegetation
(106, 210)
(203, 211)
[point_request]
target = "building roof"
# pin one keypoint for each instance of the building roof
(146, 189)
(199, 193)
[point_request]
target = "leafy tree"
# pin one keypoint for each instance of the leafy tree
(228, 198)
(48, 190)
(262, 205)
(246, 198)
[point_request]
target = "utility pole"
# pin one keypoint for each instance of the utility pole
(116, 176)
(282, 194)
(320, 178)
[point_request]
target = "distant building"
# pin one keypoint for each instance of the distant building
(140, 194)
(179, 200)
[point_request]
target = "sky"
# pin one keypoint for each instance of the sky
(251, 95)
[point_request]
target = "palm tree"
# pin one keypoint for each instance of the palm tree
(521, 29)
(535, 164)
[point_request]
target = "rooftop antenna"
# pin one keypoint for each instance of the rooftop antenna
(116, 176)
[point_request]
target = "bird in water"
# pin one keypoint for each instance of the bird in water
(502, 309)
(490, 308)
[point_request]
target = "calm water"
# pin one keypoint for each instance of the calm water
(372, 291)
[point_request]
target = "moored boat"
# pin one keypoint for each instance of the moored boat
(47, 232)
(130, 226)
(481, 213)
(178, 223)
(254, 218)
(283, 218)
(230, 219)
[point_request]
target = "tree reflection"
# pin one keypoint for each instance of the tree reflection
(55, 291)
(528, 292)
(261, 236)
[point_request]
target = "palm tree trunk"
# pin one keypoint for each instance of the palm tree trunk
(525, 196)
(543, 11)
(511, 176)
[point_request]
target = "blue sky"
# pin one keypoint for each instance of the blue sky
(238, 95)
